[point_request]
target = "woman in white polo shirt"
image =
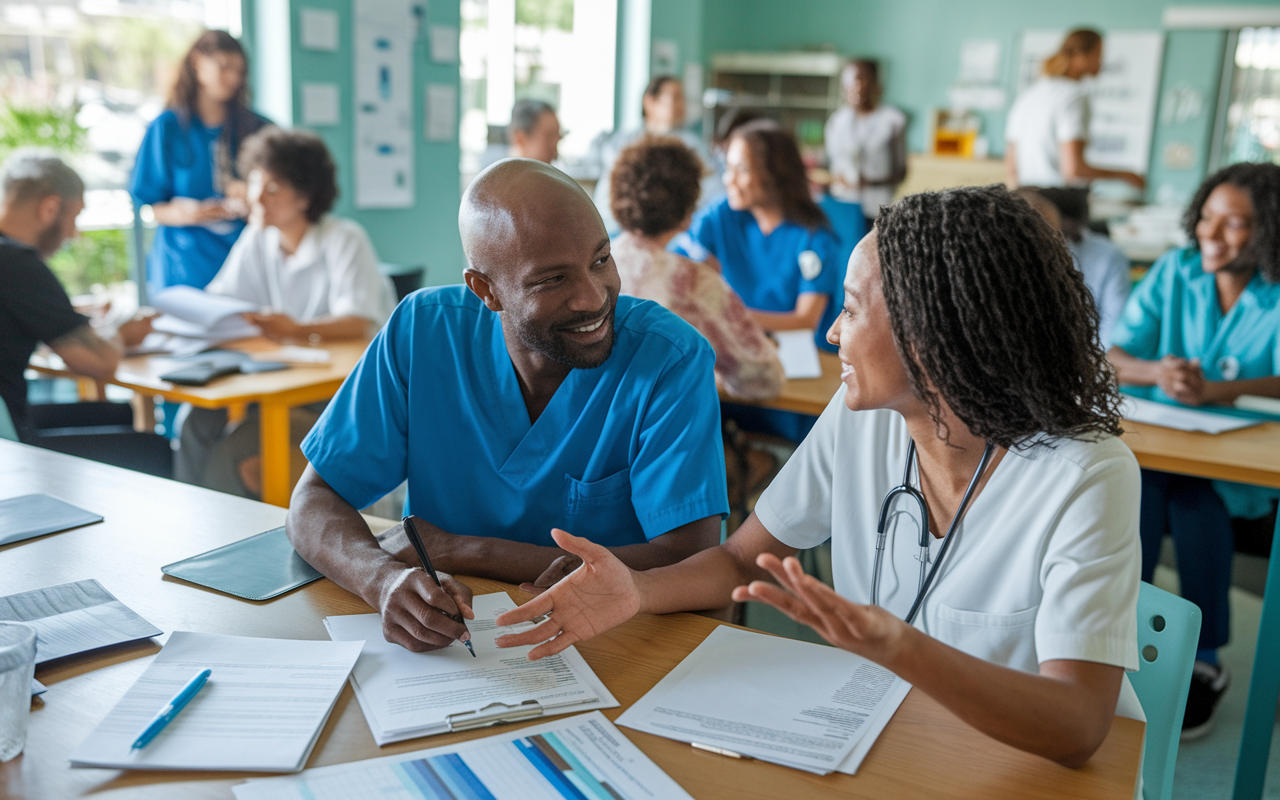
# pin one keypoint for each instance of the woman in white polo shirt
(965, 330)
(1048, 127)
(315, 277)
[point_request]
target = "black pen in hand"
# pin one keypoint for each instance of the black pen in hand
(421, 550)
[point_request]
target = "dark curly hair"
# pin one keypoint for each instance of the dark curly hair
(1262, 183)
(240, 122)
(775, 152)
(991, 316)
(654, 185)
(298, 158)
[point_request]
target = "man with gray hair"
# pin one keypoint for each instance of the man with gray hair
(534, 131)
(42, 197)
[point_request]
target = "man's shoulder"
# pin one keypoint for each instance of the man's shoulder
(649, 326)
(20, 260)
(440, 301)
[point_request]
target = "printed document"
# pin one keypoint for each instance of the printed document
(75, 617)
(261, 710)
(405, 694)
(793, 703)
(575, 757)
(1183, 419)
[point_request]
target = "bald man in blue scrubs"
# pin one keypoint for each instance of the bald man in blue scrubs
(532, 398)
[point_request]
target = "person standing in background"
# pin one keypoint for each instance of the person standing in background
(1048, 127)
(185, 169)
(534, 131)
(866, 141)
(663, 110)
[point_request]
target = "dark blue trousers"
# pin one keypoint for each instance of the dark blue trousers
(1192, 512)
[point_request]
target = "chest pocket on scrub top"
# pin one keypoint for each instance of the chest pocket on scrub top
(1007, 639)
(600, 508)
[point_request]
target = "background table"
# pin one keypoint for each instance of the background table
(925, 751)
(274, 392)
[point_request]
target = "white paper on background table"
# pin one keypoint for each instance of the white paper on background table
(1183, 419)
(383, 45)
(798, 354)
(585, 752)
(405, 694)
(793, 703)
(261, 710)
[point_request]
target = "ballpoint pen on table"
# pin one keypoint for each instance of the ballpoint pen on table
(171, 709)
(412, 532)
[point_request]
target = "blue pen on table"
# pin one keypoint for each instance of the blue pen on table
(172, 708)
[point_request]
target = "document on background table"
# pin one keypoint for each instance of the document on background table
(405, 694)
(1183, 419)
(793, 703)
(33, 515)
(261, 710)
(798, 354)
(75, 617)
(583, 756)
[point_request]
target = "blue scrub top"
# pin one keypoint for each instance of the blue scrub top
(622, 453)
(771, 272)
(177, 160)
(1175, 311)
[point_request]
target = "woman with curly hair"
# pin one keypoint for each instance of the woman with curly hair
(314, 276)
(653, 191)
(974, 388)
(1204, 327)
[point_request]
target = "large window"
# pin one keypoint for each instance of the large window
(85, 77)
(559, 51)
(1251, 128)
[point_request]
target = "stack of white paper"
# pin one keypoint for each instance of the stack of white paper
(1183, 419)
(798, 354)
(582, 756)
(261, 710)
(190, 316)
(405, 694)
(794, 703)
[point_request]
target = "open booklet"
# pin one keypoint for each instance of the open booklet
(405, 694)
(793, 703)
(192, 320)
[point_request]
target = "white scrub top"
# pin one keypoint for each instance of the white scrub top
(1045, 563)
(1051, 111)
(333, 273)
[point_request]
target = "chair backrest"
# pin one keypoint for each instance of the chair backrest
(7, 431)
(406, 279)
(1168, 629)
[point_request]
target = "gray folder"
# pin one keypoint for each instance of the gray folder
(258, 568)
(34, 515)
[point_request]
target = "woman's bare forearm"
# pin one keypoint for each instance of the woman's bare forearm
(1133, 370)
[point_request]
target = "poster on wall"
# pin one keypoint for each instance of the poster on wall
(384, 38)
(1122, 97)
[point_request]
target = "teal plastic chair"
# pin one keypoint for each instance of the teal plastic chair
(1168, 629)
(7, 431)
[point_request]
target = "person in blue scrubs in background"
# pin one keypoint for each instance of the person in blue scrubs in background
(773, 243)
(533, 398)
(186, 171)
(1204, 327)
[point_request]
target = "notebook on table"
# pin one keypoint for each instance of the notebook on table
(34, 515)
(258, 568)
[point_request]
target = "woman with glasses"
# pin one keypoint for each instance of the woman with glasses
(977, 429)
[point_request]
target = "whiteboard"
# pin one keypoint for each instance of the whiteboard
(1122, 98)
(384, 38)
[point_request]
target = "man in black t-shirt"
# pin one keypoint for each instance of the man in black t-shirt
(41, 198)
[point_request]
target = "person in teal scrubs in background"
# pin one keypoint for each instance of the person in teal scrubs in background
(186, 171)
(532, 398)
(1204, 327)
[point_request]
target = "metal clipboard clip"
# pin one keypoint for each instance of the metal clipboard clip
(493, 714)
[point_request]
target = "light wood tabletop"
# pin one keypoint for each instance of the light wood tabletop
(149, 522)
(274, 392)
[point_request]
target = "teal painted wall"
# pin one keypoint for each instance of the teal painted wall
(918, 43)
(1192, 66)
(427, 233)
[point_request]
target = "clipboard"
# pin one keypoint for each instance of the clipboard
(258, 568)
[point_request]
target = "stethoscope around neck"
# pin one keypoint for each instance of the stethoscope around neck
(926, 574)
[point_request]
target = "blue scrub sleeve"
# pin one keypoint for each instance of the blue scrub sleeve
(153, 170)
(831, 280)
(1137, 332)
(678, 476)
(360, 444)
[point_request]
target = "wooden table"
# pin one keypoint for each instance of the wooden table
(1250, 455)
(925, 750)
(274, 392)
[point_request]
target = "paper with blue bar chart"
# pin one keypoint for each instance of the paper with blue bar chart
(583, 757)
